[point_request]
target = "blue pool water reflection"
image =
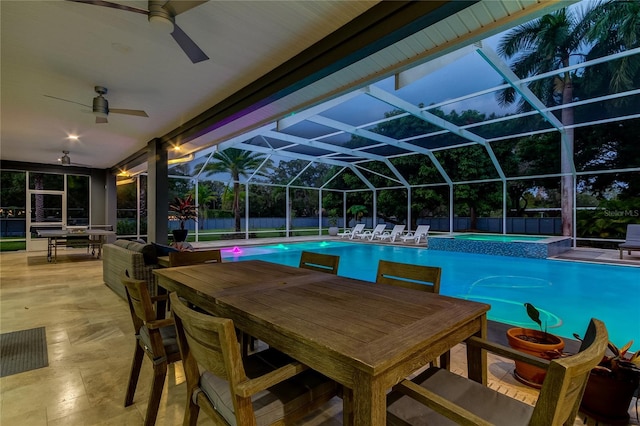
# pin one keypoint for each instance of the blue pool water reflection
(567, 293)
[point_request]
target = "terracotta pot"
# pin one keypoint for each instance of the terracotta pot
(179, 235)
(607, 398)
(526, 373)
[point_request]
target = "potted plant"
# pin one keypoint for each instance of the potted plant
(333, 222)
(182, 209)
(611, 386)
(534, 342)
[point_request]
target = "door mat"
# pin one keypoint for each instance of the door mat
(22, 351)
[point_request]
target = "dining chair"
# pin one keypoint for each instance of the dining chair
(155, 338)
(437, 395)
(416, 277)
(184, 258)
(264, 388)
(319, 262)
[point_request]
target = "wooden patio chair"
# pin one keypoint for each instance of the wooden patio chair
(319, 262)
(265, 388)
(155, 338)
(184, 258)
(438, 395)
(416, 277)
(632, 239)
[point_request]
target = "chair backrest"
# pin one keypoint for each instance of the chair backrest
(379, 228)
(140, 304)
(210, 342)
(184, 258)
(397, 229)
(421, 230)
(358, 228)
(417, 277)
(633, 233)
(566, 379)
(320, 262)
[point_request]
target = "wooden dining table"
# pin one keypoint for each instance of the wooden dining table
(365, 336)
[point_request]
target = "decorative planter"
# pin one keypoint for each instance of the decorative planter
(607, 398)
(179, 235)
(333, 231)
(526, 373)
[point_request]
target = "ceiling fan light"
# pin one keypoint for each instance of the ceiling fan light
(100, 114)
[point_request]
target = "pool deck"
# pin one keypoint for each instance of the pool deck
(579, 254)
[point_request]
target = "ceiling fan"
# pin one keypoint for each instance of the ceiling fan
(163, 13)
(65, 160)
(101, 108)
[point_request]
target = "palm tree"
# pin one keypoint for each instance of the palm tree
(237, 163)
(542, 45)
(555, 41)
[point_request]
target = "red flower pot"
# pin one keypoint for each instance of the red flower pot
(533, 342)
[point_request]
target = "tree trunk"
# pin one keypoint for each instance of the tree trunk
(236, 202)
(473, 218)
(567, 187)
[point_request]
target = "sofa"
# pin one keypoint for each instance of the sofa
(139, 258)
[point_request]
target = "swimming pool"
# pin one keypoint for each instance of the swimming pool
(567, 293)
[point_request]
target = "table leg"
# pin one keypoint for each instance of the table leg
(49, 254)
(477, 358)
(369, 401)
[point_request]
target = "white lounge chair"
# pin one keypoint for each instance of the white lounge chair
(421, 231)
(372, 234)
(355, 231)
(391, 236)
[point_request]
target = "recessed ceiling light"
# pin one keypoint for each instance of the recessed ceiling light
(73, 137)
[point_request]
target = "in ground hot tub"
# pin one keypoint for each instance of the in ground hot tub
(539, 247)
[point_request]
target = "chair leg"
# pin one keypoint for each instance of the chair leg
(136, 364)
(159, 374)
(191, 412)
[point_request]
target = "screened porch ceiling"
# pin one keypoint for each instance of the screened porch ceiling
(469, 78)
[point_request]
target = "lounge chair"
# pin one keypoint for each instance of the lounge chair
(396, 232)
(421, 231)
(632, 240)
(372, 234)
(355, 231)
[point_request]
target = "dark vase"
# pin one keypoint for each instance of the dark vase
(607, 398)
(179, 235)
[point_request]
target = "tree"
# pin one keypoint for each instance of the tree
(556, 41)
(546, 44)
(237, 163)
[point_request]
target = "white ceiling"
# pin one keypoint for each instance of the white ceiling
(64, 49)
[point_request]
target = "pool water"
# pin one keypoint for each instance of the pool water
(568, 294)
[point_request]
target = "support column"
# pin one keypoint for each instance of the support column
(157, 192)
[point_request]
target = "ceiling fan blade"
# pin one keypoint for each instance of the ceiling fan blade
(188, 46)
(112, 5)
(101, 120)
(67, 100)
(178, 7)
(137, 112)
